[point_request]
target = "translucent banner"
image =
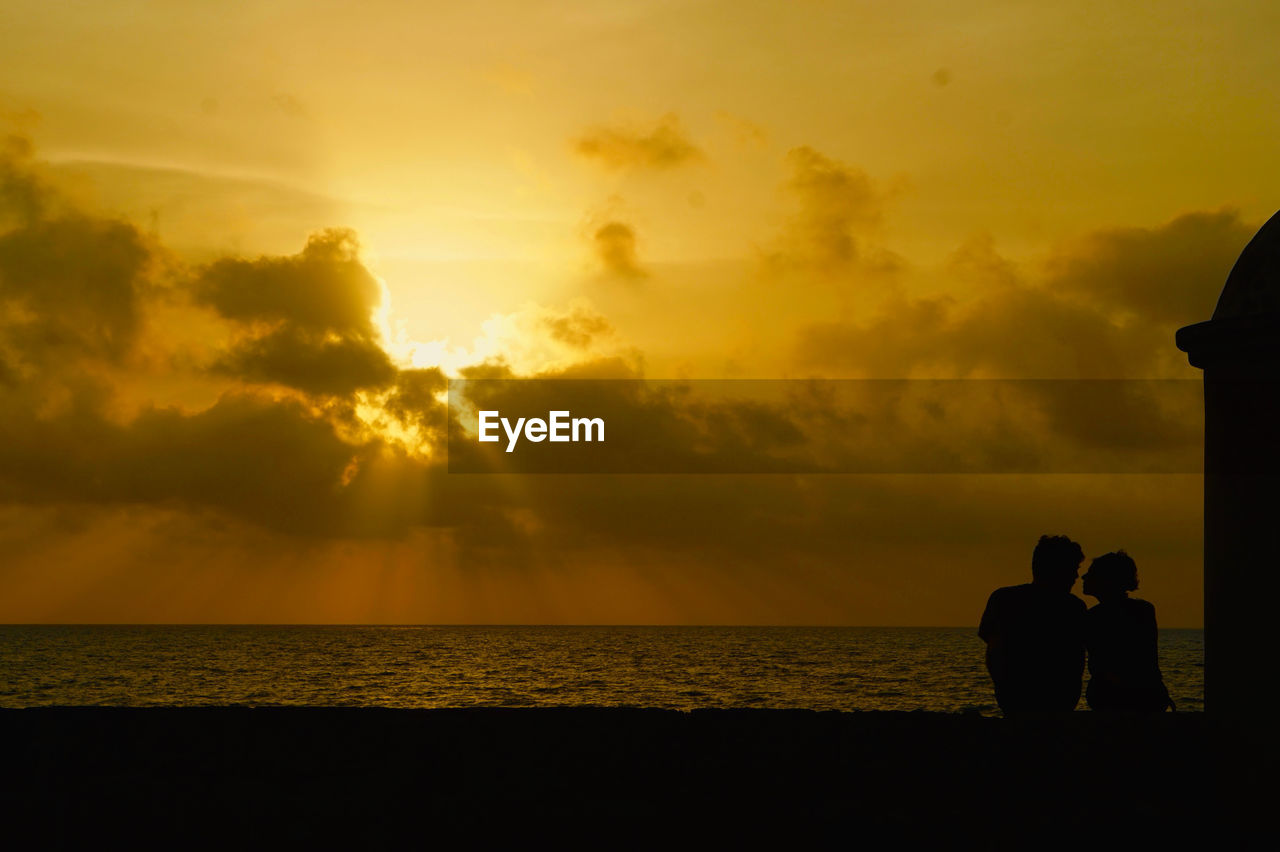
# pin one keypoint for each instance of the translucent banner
(825, 426)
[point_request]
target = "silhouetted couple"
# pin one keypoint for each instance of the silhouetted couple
(1037, 635)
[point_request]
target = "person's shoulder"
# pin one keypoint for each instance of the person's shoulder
(996, 616)
(1141, 607)
(1006, 596)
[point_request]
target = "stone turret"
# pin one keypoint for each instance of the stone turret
(1239, 351)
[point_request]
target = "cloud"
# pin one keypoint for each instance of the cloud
(317, 466)
(324, 288)
(665, 146)
(275, 463)
(305, 320)
(414, 395)
(978, 264)
(615, 246)
(310, 362)
(72, 286)
(1172, 273)
(79, 295)
(1105, 305)
(23, 196)
(263, 458)
(577, 328)
(1022, 333)
(841, 208)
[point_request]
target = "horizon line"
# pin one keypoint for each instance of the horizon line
(502, 624)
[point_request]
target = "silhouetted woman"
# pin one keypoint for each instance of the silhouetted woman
(1120, 632)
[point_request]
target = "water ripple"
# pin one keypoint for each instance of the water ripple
(681, 668)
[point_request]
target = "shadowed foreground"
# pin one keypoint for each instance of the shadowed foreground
(187, 776)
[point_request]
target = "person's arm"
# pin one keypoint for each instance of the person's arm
(1080, 640)
(1080, 626)
(1152, 642)
(991, 629)
(1151, 635)
(995, 658)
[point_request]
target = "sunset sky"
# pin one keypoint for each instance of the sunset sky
(243, 247)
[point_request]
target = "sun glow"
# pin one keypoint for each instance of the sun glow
(233, 282)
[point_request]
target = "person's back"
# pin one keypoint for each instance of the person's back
(1121, 634)
(1035, 634)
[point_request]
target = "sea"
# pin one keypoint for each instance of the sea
(681, 668)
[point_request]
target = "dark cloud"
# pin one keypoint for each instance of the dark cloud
(578, 328)
(1172, 273)
(313, 363)
(306, 318)
(74, 285)
(324, 288)
(270, 460)
(615, 245)
(77, 290)
(76, 295)
(276, 463)
(417, 402)
(1105, 306)
(414, 395)
(663, 147)
(607, 367)
(1020, 333)
(71, 286)
(23, 196)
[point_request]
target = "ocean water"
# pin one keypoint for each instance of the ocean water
(839, 668)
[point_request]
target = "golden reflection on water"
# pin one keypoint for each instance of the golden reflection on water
(685, 668)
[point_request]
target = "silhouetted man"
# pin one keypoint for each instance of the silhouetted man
(1035, 633)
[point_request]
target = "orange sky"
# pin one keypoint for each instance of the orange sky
(242, 249)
